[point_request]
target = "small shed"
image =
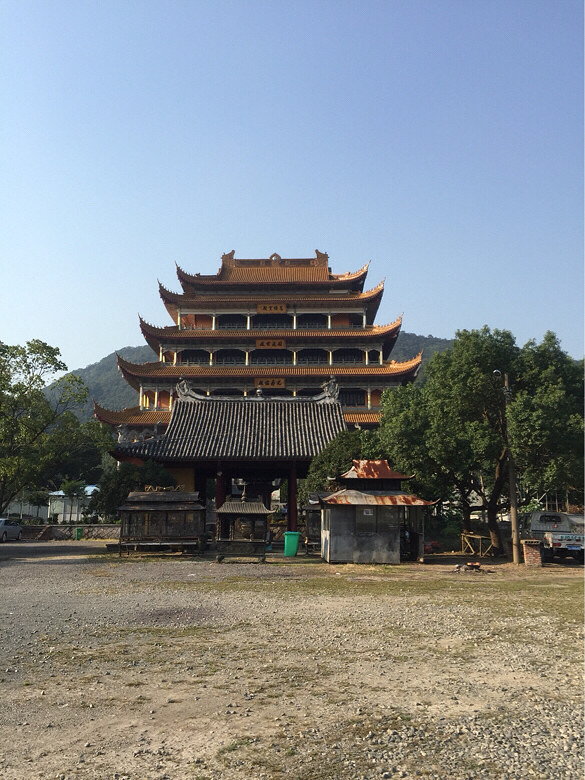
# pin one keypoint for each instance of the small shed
(242, 529)
(372, 520)
(163, 518)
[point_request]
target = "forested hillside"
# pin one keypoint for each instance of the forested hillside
(105, 383)
(108, 388)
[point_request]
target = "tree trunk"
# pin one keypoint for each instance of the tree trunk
(493, 503)
(494, 528)
(466, 517)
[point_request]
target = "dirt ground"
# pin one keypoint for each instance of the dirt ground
(178, 668)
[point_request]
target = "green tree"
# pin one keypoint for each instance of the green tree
(333, 460)
(456, 432)
(37, 433)
(73, 490)
(545, 420)
(37, 498)
(118, 480)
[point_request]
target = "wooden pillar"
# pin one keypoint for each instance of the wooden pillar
(222, 531)
(291, 505)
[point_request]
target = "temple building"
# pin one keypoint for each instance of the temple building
(284, 327)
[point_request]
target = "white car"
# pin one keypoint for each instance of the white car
(9, 529)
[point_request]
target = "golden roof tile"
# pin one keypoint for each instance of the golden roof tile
(132, 415)
(211, 300)
(272, 270)
(173, 333)
(362, 418)
(405, 368)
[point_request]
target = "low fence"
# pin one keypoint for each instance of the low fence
(61, 532)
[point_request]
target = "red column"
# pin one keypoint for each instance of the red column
(292, 499)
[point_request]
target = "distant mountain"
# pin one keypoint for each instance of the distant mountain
(409, 344)
(108, 388)
(106, 384)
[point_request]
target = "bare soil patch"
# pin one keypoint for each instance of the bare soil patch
(170, 667)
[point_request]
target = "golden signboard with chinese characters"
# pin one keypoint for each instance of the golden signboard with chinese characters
(271, 308)
(269, 382)
(270, 343)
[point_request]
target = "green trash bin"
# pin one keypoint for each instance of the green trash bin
(291, 543)
(78, 533)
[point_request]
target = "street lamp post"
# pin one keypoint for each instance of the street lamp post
(511, 475)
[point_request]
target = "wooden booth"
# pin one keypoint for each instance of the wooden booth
(242, 529)
(163, 519)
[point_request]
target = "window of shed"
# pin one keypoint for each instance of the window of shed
(390, 517)
(365, 521)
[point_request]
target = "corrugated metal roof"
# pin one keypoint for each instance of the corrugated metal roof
(386, 498)
(222, 429)
(372, 469)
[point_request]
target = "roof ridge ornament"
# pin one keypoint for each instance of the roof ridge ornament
(185, 391)
(330, 392)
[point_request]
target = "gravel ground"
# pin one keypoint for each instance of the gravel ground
(172, 668)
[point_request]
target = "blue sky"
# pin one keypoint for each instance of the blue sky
(442, 140)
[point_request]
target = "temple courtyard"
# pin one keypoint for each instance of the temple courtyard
(152, 668)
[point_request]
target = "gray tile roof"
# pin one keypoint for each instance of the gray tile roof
(243, 429)
(243, 508)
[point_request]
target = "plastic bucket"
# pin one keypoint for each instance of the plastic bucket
(291, 543)
(78, 533)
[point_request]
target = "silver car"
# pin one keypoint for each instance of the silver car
(9, 529)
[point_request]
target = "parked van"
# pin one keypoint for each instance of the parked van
(561, 534)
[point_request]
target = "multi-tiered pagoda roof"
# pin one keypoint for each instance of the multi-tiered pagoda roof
(281, 326)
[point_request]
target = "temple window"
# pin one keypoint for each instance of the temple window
(375, 398)
(308, 391)
(352, 356)
(164, 399)
(272, 321)
(231, 322)
(268, 357)
(351, 397)
(195, 357)
(148, 399)
(230, 357)
(312, 357)
(340, 321)
(278, 391)
(312, 321)
(230, 391)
